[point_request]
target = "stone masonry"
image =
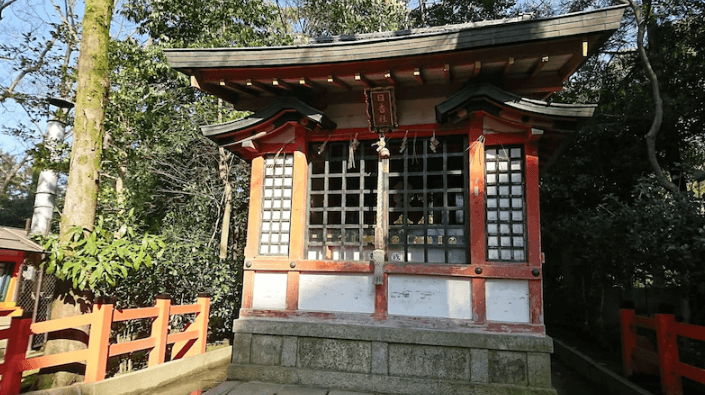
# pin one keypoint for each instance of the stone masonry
(390, 360)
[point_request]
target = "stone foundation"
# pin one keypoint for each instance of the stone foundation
(390, 360)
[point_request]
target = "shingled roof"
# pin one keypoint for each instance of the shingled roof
(528, 57)
(16, 239)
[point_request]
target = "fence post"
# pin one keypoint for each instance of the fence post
(201, 325)
(667, 344)
(99, 341)
(626, 323)
(18, 340)
(160, 330)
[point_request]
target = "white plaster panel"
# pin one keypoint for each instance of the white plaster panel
(418, 111)
(429, 296)
(348, 115)
(507, 300)
(269, 291)
(333, 292)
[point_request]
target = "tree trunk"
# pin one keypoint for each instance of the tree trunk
(224, 168)
(82, 190)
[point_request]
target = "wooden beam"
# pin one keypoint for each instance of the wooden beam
(576, 59)
(447, 73)
(263, 87)
(508, 66)
(418, 76)
(360, 78)
(390, 78)
(239, 88)
(282, 85)
(542, 61)
(335, 81)
(308, 83)
(476, 68)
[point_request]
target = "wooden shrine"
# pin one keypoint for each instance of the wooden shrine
(393, 241)
(17, 251)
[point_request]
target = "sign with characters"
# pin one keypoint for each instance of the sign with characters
(381, 109)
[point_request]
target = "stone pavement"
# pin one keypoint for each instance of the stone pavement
(565, 381)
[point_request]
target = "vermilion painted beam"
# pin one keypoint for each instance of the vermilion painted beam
(99, 343)
(292, 290)
(536, 301)
(533, 224)
(135, 314)
(381, 299)
(479, 304)
(476, 184)
(181, 336)
(160, 330)
(489, 269)
(248, 284)
(131, 346)
(255, 212)
(298, 206)
(62, 323)
(283, 264)
(48, 361)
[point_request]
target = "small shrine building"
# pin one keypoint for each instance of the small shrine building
(393, 242)
(17, 252)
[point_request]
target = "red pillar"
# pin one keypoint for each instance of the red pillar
(18, 340)
(99, 342)
(667, 345)
(626, 323)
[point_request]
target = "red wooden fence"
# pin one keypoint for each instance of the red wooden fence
(191, 341)
(666, 354)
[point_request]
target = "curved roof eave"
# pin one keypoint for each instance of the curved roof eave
(510, 100)
(260, 117)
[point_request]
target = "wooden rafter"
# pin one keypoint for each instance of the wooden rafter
(335, 81)
(417, 76)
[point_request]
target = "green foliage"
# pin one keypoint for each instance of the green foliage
(207, 23)
(460, 11)
(606, 223)
(333, 17)
(99, 258)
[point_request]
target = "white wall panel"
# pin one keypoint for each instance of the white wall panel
(334, 292)
(269, 291)
(507, 300)
(430, 296)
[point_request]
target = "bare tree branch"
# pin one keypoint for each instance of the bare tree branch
(12, 173)
(661, 177)
(10, 91)
(4, 4)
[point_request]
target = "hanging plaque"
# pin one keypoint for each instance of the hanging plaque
(381, 109)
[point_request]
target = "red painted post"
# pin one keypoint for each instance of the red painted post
(626, 323)
(160, 331)
(18, 340)
(201, 325)
(667, 344)
(99, 342)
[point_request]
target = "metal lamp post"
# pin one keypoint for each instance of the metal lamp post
(48, 178)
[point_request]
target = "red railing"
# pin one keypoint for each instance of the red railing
(666, 355)
(191, 341)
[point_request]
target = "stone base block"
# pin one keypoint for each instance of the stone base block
(390, 360)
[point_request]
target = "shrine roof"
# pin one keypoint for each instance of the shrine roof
(16, 239)
(530, 57)
(505, 99)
